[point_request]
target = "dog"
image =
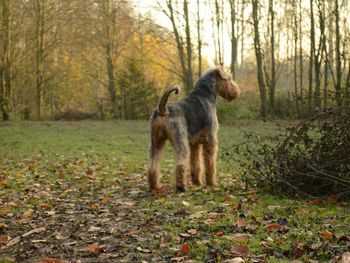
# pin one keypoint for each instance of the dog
(191, 126)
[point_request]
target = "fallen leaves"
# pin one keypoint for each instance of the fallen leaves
(87, 215)
(28, 213)
(4, 239)
(52, 260)
(241, 223)
(239, 237)
(143, 250)
(93, 249)
(242, 251)
(327, 235)
(185, 249)
(234, 260)
(275, 227)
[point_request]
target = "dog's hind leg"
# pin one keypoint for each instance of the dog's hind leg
(156, 149)
(180, 143)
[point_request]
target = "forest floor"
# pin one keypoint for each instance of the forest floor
(77, 192)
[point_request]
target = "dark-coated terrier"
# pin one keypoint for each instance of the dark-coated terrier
(191, 125)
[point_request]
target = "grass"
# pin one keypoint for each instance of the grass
(74, 175)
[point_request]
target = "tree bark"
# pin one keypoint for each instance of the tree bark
(272, 84)
(295, 64)
(109, 57)
(337, 55)
(312, 51)
(189, 72)
(39, 8)
(6, 59)
(199, 40)
(233, 39)
(258, 55)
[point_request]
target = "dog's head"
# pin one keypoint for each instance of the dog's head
(226, 87)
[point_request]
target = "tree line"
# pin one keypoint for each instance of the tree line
(107, 58)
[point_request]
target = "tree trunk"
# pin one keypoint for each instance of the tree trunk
(324, 49)
(337, 55)
(199, 40)
(347, 87)
(301, 63)
(272, 86)
(39, 7)
(189, 72)
(6, 60)
(312, 51)
(295, 64)
(259, 62)
(233, 39)
(242, 34)
(218, 26)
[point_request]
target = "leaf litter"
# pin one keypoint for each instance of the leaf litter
(65, 210)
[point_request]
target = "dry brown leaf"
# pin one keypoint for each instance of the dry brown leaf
(241, 223)
(185, 249)
(241, 251)
(52, 260)
(43, 193)
(94, 229)
(105, 200)
(327, 235)
(115, 229)
(234, 260)
(28, 213)
(315, 201)
(59, 236)
(2, 183)
(92, 249)
(275, 227)
(239, 237)
(192, 231)
(4, 239)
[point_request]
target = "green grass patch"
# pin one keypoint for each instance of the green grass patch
(75, 175)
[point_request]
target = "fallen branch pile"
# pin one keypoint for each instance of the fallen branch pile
(309, 159)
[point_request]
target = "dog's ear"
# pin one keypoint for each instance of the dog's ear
(219, 73)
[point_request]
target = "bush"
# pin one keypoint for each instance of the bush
(309, 159)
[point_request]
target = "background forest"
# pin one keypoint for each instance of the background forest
(112, 59)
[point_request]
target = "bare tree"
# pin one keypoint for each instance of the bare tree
(199, 39)
(295, 60)
(272, 80)
(233, 7)
(185, 57)
(259, 59)
(312, 52)
(6, 65)
(338, 68)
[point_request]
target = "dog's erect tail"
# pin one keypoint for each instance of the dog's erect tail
(165, 97)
